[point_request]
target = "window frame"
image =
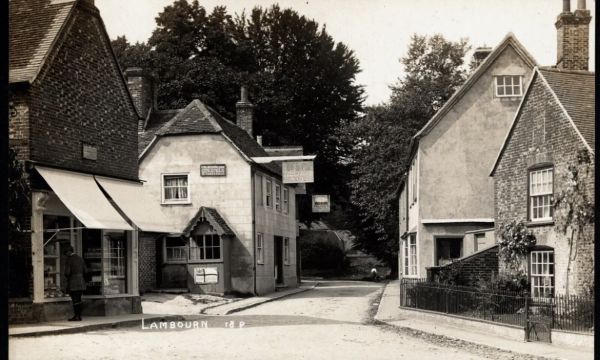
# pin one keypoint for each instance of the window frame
(530, 196)
(286, 200)
(512, 86)
(278, 197)
(260, 248)
(204, 260)
(551, 269)
(410, 261)
(286, 251)
(165, 201)
(165, 253)
(268, 193)
(260, 196)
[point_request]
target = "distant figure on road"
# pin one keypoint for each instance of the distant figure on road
(374, 276)
(74, 271)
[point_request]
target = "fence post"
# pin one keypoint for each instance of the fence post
(526, 315)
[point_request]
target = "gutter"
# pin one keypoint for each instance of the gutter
(253, 200)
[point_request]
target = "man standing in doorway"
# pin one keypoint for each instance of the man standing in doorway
(74, 272)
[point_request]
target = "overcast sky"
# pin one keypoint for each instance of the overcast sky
(379, 30)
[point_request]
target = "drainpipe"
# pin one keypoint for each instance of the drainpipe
(253, 199)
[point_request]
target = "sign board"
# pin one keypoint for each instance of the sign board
(213, 170)
(321, 204)
(89, 152)
(206, 275)
(298, 172)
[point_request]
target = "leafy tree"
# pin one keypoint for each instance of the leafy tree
(136, 55)
(19, 202)
(433, 71)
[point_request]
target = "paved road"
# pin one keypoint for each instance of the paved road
(333, 321)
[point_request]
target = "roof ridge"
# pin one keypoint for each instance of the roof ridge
(567, 71)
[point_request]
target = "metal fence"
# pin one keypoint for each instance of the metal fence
(570, 313)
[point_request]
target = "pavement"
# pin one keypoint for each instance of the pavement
(92, 323)
(390, 313)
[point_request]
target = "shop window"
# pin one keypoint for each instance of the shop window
(410, 255)
(269, 193)
(508, 85)
(277, 197)
(57, 236)
(175, 249)
(542, 273)
(91, 241)
(205, 247)
(540, 194)
(115, 263)
(260, 248)
(286, 200)
(286, 251)
(176, 188)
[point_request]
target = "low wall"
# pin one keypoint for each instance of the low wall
(571, 339)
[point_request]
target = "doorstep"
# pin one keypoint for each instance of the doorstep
(89, 323)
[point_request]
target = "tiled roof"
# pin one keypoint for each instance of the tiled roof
(193, 119)
(156, 120)
(34, 26)
(214, 219)
(576, 92)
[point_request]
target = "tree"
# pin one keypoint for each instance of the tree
(433, 71)
(574, 208)
(19, 201)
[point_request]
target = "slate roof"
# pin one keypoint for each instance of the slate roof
(576, 92)
(34, 27)
(197, 118)
(214, 219)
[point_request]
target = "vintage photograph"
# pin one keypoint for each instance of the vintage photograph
(301, 179)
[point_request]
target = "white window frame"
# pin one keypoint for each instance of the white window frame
(542, 272)
(268, 193)
(175, 261)
(191, 240)
(286, 200)
(175, 201)
(410, 261)
(286, 250)
(277, 197)
(260, 248)
(260, 197)
(541, 189)
(504, 85)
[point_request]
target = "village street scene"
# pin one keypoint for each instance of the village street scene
(252, 179)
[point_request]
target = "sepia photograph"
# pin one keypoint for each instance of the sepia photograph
(300, 179)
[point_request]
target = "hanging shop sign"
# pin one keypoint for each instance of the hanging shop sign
(206, 275)
(301, 189)
(295, 172)
(213, 170)
(321, 204)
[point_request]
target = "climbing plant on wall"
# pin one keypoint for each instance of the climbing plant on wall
(515, 242)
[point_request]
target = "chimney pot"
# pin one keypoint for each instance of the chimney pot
(566, 5)
(580, 4)
(244, 95)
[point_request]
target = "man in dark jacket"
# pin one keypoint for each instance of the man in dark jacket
(74, 272)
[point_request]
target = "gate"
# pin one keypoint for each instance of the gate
(539, 319)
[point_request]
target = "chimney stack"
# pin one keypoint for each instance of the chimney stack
(573, 29)
(141, 86)
(245, 112)
(479, 56)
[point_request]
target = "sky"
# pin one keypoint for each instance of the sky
(378, 31)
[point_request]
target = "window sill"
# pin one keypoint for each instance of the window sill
(535, 223)
(260, 263)
(212, 261)
(176, 203)
(175, 262)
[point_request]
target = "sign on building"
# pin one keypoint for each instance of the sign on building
(206, 275)
(321, 204)
(301, 189)
(298, 172)
(213, 170)
(89, 152)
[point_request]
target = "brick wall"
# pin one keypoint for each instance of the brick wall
(18, 131)
(141, 89)
(542, 134)
(147, 261)
(479, 266)
(80, 97)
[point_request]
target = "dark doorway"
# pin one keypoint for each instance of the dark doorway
(278, 259)
(447, 249)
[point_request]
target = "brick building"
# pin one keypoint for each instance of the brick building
(74, 126)
(552, 128)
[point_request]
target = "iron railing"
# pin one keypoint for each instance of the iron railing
(570, 313)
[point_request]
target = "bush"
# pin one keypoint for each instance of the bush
(515, 242)
(321, 255)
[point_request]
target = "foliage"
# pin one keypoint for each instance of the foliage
(19, 201)
(515, 242)
(514, 282)
(322, 255)
(382, 138)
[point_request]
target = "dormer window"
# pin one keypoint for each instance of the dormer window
(509, 85)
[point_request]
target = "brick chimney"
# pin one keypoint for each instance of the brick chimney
(141, 87)
(573, 30)
(245, 112)
(479, 56)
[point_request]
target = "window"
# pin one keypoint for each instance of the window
(508, 85)
(286, 251)
(57, 236)
(286, 200)
(175, 249)
(115, 262)
(412, 182)
(205, 247)
(540, 194)
(410, 255)
(277, 197)
(260, 245)
(542, 273)
(269, 193)
(175, 188)
(259, 188)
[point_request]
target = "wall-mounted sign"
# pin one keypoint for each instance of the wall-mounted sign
(89, 152)
(298, 172)
(206, 275)
(321, 204)
(213, 170)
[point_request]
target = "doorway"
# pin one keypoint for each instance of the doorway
(278, 253)
(447, 249)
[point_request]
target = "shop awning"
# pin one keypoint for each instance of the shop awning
(84, 199)
(131, 198)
